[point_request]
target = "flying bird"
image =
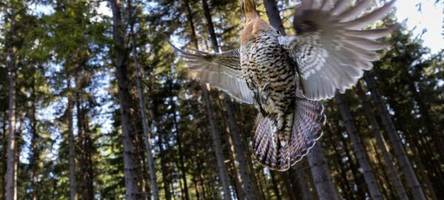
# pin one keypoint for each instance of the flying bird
(286, 77)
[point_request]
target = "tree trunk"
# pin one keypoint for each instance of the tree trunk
(358, 148)
(121, 53)
(215, 134)
(424, 109)
(71, 144)
(179, 145)
(249, 187)
(340, 165)
(19, 143)
(404, 162)
(85, 161)
(146, 130)
(217, 145)
(296, 182)
(275, 186)
(321, 174)
(393, 175)
(273, 15)
(291, 191)
(164, 169)
(301, 182)
(11, 146)
(357, 176)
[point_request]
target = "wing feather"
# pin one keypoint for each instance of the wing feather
(331, 49)
(221, 70)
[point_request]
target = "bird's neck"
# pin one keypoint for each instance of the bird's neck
(252, 29)
(250, 10)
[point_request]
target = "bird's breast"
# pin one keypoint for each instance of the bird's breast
(268, 70)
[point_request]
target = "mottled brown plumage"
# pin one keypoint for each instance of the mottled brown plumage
(286, 76)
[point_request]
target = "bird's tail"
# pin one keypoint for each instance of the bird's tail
(280, 153)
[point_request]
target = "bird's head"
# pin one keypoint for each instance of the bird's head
(253, 23)
(249, 10)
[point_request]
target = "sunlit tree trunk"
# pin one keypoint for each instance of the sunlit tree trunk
(393, 175)
(358, 148)
(19, 142)
(121, 54)
(146, 130)
(11, 144)
(404, 162)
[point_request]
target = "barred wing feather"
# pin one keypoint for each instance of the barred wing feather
(221, 70)
(331, 49)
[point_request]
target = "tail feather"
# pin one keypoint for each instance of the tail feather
(265, 144)
(307, 122)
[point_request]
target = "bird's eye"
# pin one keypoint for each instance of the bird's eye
(278, 32)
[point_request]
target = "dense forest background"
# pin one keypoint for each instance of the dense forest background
(94, 104)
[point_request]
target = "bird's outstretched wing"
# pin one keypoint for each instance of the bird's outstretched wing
(269, 151)
(331, 47)
(220, 70)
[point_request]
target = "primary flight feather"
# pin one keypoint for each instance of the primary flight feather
(285, 77)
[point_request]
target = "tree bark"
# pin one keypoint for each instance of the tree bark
(393, 175)
(301, 182)
(249, 187)
(404, 162)
(146, 130)
(275, 186)
(273, 15)
(86, 190)
(11, 145)
(321, 174)
(71, 144)
(217, 145)
(121, 54)
(358, 148)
